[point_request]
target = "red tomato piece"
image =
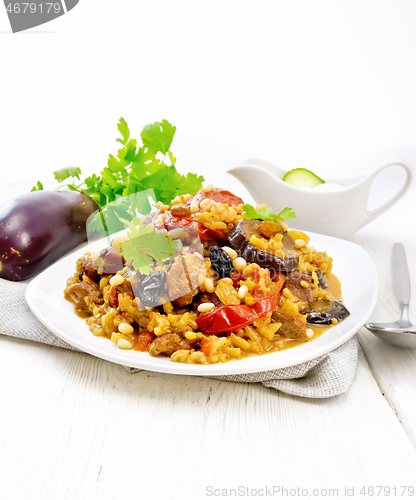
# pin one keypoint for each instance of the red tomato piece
(219, 195)
(226, 319)
(257, 292)
(231, 318)
(206, 346)
(113, 297)
(143, 341)
(237, 276)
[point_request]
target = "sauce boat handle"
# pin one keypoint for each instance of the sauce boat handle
(372, 214)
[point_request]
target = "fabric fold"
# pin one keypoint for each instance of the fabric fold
(323, 377)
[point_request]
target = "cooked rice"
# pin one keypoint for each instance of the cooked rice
(108, 308)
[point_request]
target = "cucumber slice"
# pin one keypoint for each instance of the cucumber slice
(301, 177)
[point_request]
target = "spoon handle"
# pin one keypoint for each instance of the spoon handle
(401, 278)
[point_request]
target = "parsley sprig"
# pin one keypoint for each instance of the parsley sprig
(150, 165)
(268, 215)
(145, 246)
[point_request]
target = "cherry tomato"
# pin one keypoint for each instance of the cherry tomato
(219, 195)
(231, 318)
(226, 319)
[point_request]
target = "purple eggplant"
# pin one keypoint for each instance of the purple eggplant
(39, 227)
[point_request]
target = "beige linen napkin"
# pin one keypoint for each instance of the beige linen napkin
(322, 377)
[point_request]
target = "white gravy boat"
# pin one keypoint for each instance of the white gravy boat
(339, 212)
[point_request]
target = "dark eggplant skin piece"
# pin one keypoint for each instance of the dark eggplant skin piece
(323, 314)
(240, 241)
(321, 278)
(39, 227)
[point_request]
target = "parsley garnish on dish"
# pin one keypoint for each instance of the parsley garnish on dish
(145, 246)
(268, 215)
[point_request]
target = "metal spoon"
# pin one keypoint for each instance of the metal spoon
(401, 333)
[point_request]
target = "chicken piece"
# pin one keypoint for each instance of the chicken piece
(208, 297)
(109, 261)
(184, 277)
(130, 284)
(89, 269)
(85, 295)
(292, 328)
(295, 282)
(168, 344)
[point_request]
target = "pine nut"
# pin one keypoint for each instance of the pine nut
(124, 344)
(204, 203)
(205, 307)
(284, 225)
(242, 292)
(231, 252)
(194, 206)
(300, 243)
(239, 263)
(125, 328)
(161, 220)
(310, 333)
(175, 233)
(208, 188)
(209, 285)
(116, 280)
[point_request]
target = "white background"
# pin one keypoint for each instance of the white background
(319, 84)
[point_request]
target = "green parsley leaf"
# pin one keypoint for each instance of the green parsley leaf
(110, 219)
(93, 190)
(95, 224)
(133, 170)
(124, 131)
(92, 181)
(171, 158)
(286, 214)
(158, 136)
(189, 183)
(144, 247)
(65, 173)
(268, 215)
(252, 213)
(37, 187)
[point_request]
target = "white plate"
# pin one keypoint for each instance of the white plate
(352, 265)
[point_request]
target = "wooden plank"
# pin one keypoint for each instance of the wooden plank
(74, 426)
(394, 368)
